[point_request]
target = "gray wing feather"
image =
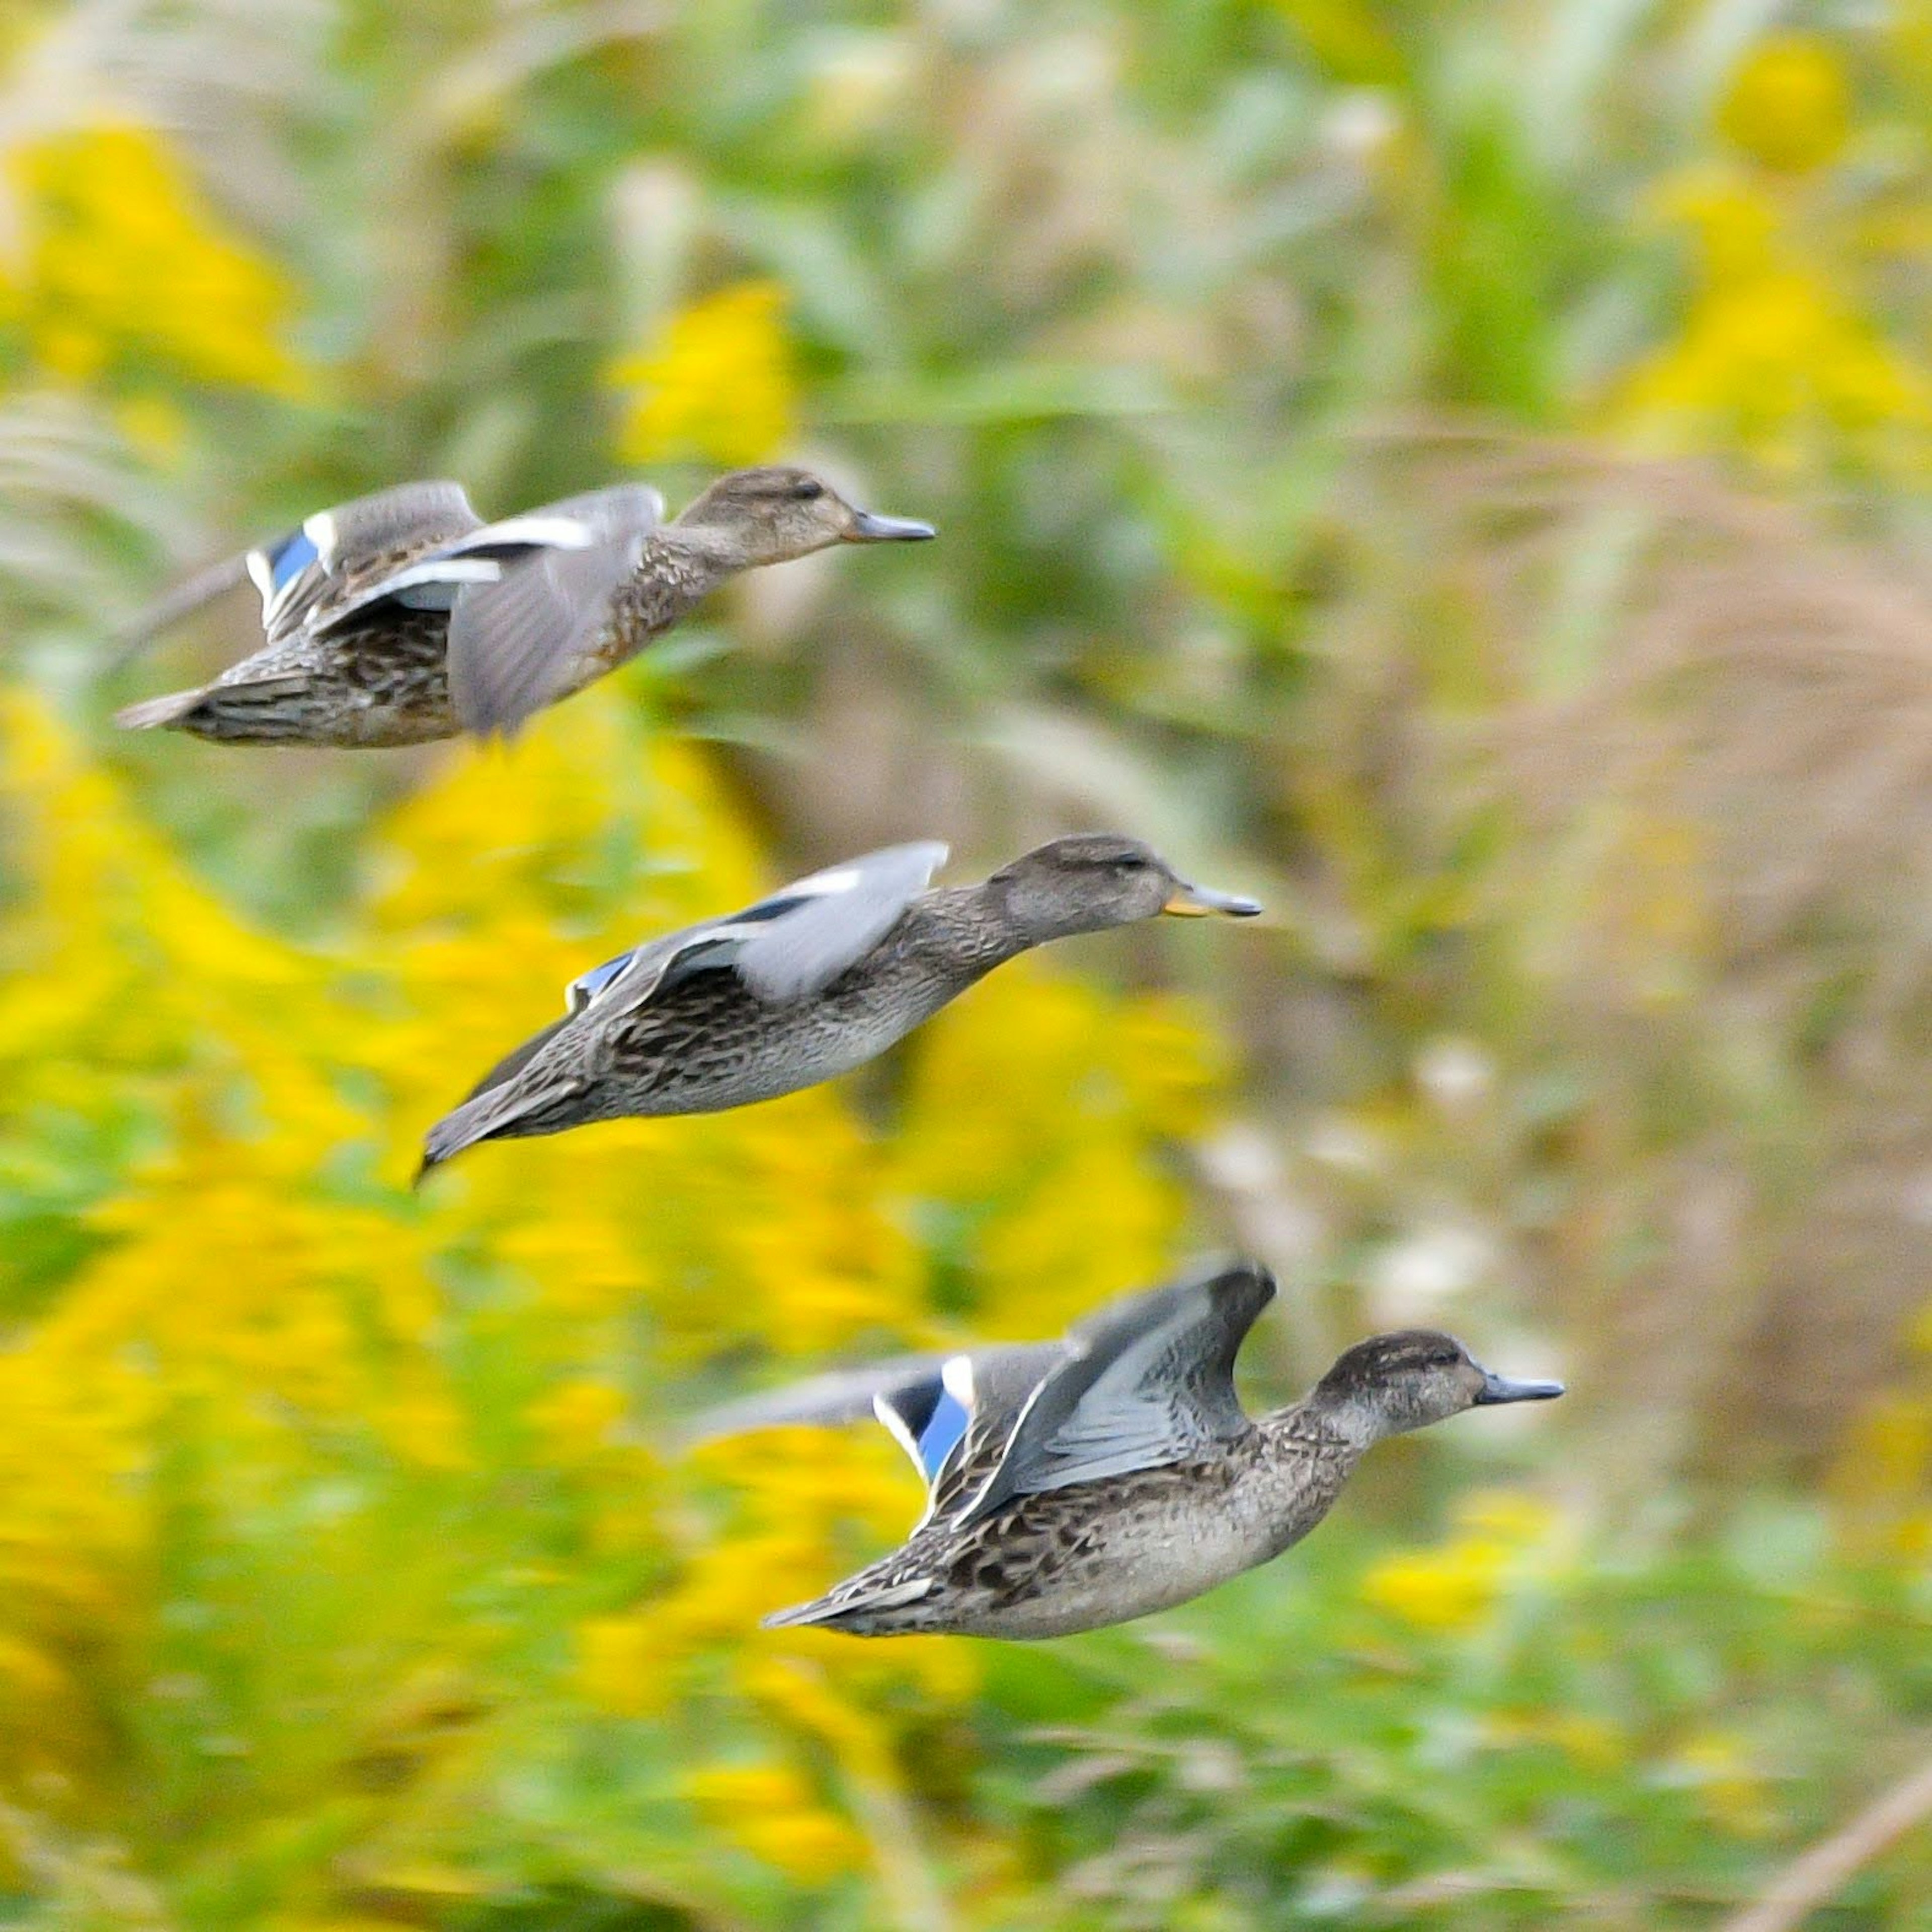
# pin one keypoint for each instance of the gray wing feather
(791, 945)
(1148, 1383)
(352, 539)
(800, 953)
(411, 516)
(624, 506)
(841, 1396)
(512, 642)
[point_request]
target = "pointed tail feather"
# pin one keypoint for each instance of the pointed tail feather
(847, 1602)
(494, 1112)
(152, 713)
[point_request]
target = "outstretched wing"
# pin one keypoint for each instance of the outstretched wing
(951, 1414)
(1147, 1383)
(785, 948)
(513, 639)
(433, 578)
(320, 569)
(838, 1396)
(511, 642)
(298, 573)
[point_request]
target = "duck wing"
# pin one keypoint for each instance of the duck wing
(785, 948)
(839, 1395)
(321, 570)
(1147, 1382)
(951, 1414)
(514, 636)
(324, 563)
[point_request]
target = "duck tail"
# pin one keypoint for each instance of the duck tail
(855, 1605)
(496, 1113)
(818, 1611)
(151, 713)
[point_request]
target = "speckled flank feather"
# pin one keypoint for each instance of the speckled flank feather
(379, 684)
(1098, 1553)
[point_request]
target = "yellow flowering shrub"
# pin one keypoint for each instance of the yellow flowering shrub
(1774, 356)
(1452, 1588)
(1789, 104)
(771, 1811)
(287, 1438)
(717, 383)
(119, 263)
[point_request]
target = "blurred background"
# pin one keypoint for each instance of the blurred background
(1457, 473)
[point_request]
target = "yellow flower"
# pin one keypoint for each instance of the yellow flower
(1731, 1791)
(1788, 105)
(1772, 358)
(577, 1419)
(717, 383)
(121, 261)
(771, 1811)
(1452, 1589)
(619, 1659)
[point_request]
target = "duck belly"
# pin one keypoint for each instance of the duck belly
(1120, 1571)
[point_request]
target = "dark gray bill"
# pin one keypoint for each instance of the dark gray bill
(1500, 1388)
(867, 528)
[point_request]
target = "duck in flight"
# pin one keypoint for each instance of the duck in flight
(403, 617)
(806, 984)
(1084, 1482)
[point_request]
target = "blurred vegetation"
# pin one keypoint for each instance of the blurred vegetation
(1458, 471)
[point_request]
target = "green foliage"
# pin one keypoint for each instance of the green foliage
(1278, 371)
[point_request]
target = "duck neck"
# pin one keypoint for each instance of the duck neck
(968, 923)
(1302, 1461)
(1342, 1429)
(701, 550)
(679, 565)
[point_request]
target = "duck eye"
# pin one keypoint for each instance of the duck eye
(805, 491)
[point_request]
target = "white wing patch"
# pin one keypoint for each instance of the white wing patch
(838, 879)
(535, 531)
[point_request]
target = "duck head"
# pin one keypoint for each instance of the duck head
(771, 514)
(1096, 879)
(1409, 1379)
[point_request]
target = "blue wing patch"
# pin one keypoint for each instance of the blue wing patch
(927, 1418)
(941, 1434)
(289, 558)
(586, 986)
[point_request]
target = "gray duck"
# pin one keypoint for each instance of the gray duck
(803, 986)
(1087, 1481)
(403, 616)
